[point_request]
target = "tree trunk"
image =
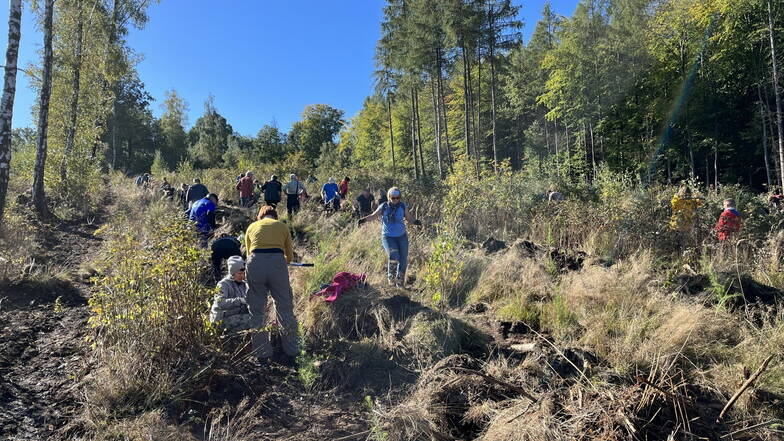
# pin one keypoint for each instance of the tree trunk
(716, 165)
(772, 142)
(419, 134)
(776, 92)
(9, 93)
(445, 121)
(593, 154)
(478, 143)
(70, 136)
(547, 136)
(764, 137)
(39, 198)
(391, 136)
(466, 105)
(437, 124)
(492, 107)
(112, 42)
(414, 136)
(555, 133)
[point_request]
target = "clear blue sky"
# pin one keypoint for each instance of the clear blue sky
(263, 60)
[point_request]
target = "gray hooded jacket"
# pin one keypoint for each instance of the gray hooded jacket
(230, 300)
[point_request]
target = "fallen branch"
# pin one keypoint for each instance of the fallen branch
(354, 436)
(750, 428)
(747, 384)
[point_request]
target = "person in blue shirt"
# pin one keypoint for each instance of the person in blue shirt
(331, 194)
(393, 234)
(202, 212)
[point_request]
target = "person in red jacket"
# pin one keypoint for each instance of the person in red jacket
(245, 187)
(343, 188)
(729, 222)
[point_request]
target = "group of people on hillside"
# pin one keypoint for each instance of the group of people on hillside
(273, 191)
(684, 214)
(240, 303)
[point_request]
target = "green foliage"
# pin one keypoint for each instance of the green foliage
(307, 369)
(316, 131)
(442, 271)
(150, 298)
(172, 124)
(208, 139)
(159, 167)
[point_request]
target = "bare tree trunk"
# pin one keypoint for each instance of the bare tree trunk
(413, 137)
(764, 137)
(437, 123)
(419, 134)
(113, 36)
(776, 92)
(716, 165)
(772, 142)
(547, 136)
(492, 107)
(445, 121)
(39, 198)
(593, 154)
(9, 93)
(478, 143)
(391, 136)
(555, 123)
(466, 105)
(70, 136)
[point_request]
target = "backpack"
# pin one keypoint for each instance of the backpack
(390, 212)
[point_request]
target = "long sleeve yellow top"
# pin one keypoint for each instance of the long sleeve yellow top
(269, 233)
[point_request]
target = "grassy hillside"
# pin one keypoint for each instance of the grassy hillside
(526, 319)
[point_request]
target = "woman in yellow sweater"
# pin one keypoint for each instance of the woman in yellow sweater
(269, 248)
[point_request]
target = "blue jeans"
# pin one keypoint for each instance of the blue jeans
(397, 256)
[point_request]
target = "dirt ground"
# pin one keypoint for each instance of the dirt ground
(43, 325)
(45, 356)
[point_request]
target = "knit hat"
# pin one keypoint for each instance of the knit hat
(235, 263)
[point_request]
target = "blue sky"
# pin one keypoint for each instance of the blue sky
(263, 60)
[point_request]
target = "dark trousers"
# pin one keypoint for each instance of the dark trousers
(292, 203)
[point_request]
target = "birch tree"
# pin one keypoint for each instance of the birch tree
(776, 91)
(9, 92)
(39, 198)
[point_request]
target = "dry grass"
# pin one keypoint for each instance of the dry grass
(149, 426)
(512, 275)
(627, 320)
(234, 424)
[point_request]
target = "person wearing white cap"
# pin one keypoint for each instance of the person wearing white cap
(293, 190)
(230, 307)
(394, 238)
(330, 193)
